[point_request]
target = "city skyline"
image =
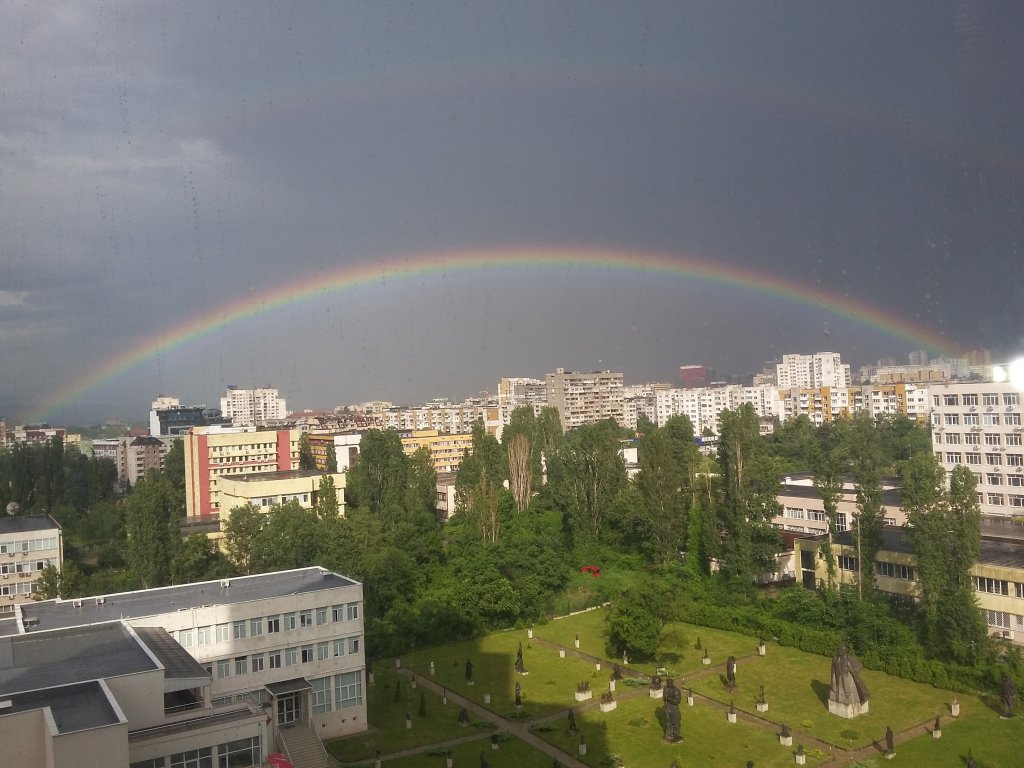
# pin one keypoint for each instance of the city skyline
(364, 201)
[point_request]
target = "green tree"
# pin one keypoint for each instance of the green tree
(151, 526)
(479, 481)
(198, 558)
(174, 466)
(306, 459)
(523, 455)
(332, 458)
(47, 585)
(590, 473)
(241, 531)
(636, 619)
(327, 497)
(749, 543)
(867, 465)
(379, 479)
(660, 482)
(829, 464)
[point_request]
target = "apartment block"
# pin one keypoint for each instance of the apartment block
(215, 452)
(583, 398)
(28, 543)
(822, 369)
(253, 407)
(167, 416)
(230, 671)
(266, 489)
(978, 424)
(446, 450)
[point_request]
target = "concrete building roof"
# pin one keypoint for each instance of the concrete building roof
(27, 524)
(53, 614)
(178, 663)
(282, 474)
(52, 659)
(75, 707)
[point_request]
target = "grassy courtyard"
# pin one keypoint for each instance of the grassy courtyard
(795, 683)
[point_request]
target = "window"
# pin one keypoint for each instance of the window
(890, 521)
(990, 420)
(353, 611)
(841, 524)
(952, 419)
(995, 499)
(972, 458)
(338, 647)
(238, 629)
(256, 626)
(993, 478)
(291, 657)
(950, 400)
(794, 513)
(275, 659)
(894, 570)
(223, 668)
(990, 398)
(997, 619)
(1013, 439)
(338, 613)
(1012, 420)
(993, 459)
(307, 654)
(194, 758)
(991, 439)
(273, 624)
(953, 438)
(1016, 480)
(1016, 500)
(257, 662)
(991, 586)
(817, 515)
(847, 563)
(1018, 591)
(204, 635)
(156, 762)
(952, 458)
(323, 651)
(970, 399)
(972, 438)
(241, 665)
(289, 622)
(1015, 459)
(321, 695)
(353, 645)
(1011, 398)
(244, 753)
(185, 638)
(970, 419)
(321, 615)
(223, 633)
(348, 689)
(306, 619)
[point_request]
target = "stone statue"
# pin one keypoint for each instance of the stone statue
(848, 695)
(730, 672)
(889, 745)
(469, 671)
(519, 666)
(656, 682)
(616, 672)
(971, 762)
(1009, 696)
(484, 762)
(572, 722)
(463, 717)
(519, 695)
(673, 696)
(760, 696)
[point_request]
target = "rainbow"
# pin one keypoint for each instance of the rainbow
(351, 277)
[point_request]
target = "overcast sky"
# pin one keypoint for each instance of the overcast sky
(161, 161)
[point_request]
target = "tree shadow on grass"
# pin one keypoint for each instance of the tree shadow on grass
(995, 703)
(821, 691)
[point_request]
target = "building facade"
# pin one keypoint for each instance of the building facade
(253, 407)
(28, 543)
(584, 398)
(167, 416)
(822, 369)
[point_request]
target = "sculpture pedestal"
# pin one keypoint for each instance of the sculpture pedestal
(731, 716)
(762, 706)
(584, 695)
(706, 661)
(954, 709)
(656, 693)
(848, 710)
(689, 701)
(801, 759)
(937, 733)
(786, 741)
(608, 706)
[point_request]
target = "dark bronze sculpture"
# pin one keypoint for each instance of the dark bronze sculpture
(673, 696)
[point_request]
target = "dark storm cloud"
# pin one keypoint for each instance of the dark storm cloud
(161, 160)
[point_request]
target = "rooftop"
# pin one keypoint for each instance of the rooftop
(27, 524)
(53, 614)
(282, 474)
(75, 707)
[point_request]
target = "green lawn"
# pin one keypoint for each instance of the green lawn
(796, 687)
(548, 688)
(590, 626)
(511, 754)
(388, 716)
(679, 655)
(635, 731)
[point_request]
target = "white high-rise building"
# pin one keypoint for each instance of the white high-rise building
(253, 407)
(978, 424)
(583, 398)
(822, 369)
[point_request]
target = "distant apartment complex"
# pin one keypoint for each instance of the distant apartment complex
(28, 543)
(216, 673)
(583, 398)
(691, 376)
(822, 369)
(167, 416)
(253, 407)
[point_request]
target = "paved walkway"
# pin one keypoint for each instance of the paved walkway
(521, 728)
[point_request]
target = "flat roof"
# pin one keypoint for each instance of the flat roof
(27, 523)
(178, 663)
(75, 707)
(53, 614)
(52, 659)
(890, 497)
(281, 474)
